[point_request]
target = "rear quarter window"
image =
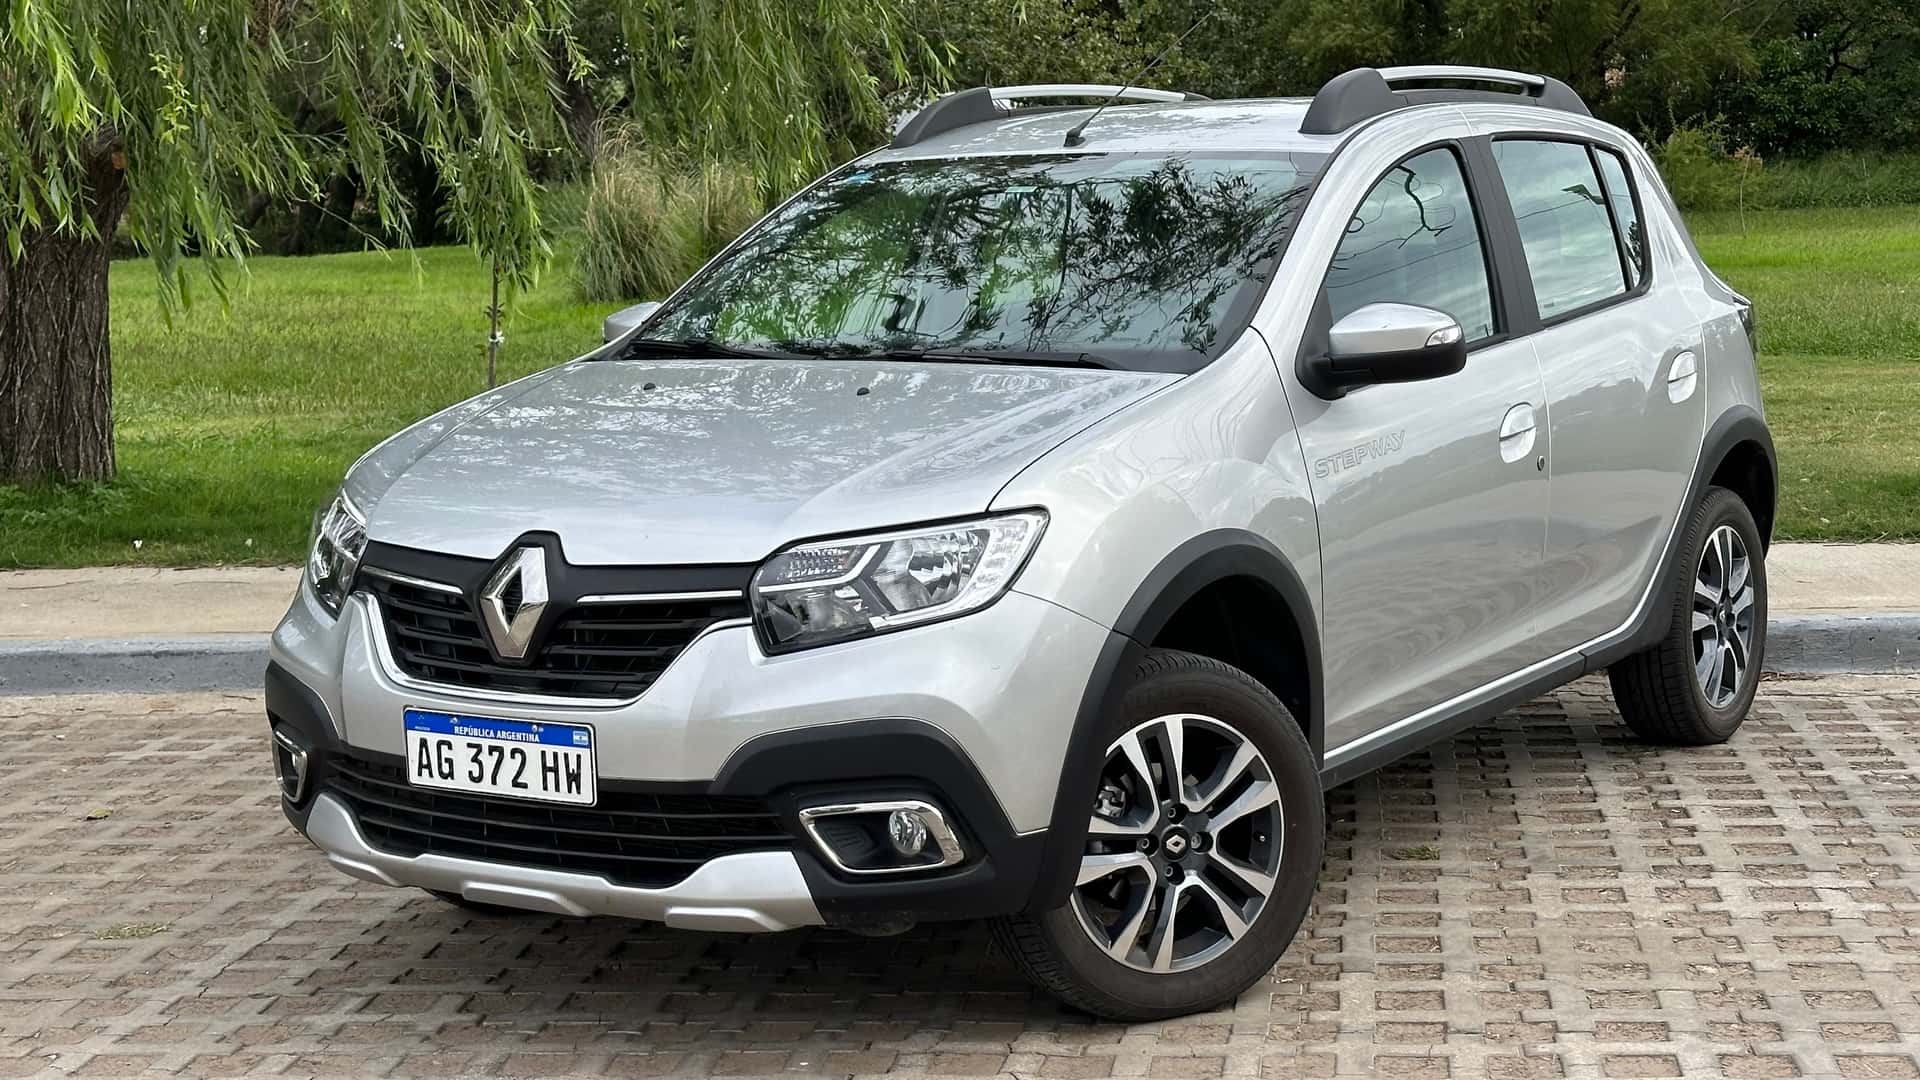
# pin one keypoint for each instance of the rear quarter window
(1626, 214)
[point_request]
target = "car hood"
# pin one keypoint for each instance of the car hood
(722, 461)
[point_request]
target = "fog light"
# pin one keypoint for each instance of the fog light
(894, 836)
(908, 831)
(290, 765)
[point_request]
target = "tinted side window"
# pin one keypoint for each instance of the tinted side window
(1414, 240)
(1626, 216)
(1564, 227)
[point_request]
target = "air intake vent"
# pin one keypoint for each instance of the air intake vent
(630, 838)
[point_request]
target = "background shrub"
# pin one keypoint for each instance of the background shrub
(648, 222)
(629, 245)
(1704, 173)
(563, 204)
(719, 204)
(1845, 179)
(1700, 174)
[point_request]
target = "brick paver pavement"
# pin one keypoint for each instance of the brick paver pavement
(1541, 897)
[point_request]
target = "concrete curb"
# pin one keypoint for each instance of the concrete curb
(1872, 642)
(133, 665)
(1810, 644)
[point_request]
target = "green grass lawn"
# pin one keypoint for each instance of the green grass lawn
(233, 425)
(1837, 293)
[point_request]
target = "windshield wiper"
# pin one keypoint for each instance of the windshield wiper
(805, 351)
(1036, 358)
(699, 347)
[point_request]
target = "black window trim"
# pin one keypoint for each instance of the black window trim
(1314, 341)
(1513, 285)
(1594, 150)
(1536, 322)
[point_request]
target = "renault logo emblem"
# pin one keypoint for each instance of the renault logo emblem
(513, 601)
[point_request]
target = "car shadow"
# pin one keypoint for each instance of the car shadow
(622, 973)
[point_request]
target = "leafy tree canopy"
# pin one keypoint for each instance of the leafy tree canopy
(190, 102)
(1785, 75)
(172, 115)
(179, 98)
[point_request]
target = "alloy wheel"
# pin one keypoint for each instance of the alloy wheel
(1184, 844)
(1723, 595)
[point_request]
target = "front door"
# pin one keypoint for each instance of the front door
(1432, 496)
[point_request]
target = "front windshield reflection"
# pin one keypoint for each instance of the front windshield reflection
(1144, 261)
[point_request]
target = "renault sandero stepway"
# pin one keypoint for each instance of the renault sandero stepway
(1031, 518)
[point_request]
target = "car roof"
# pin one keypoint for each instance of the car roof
(1254, 124)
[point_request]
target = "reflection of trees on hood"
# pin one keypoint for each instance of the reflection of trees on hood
(1004, 253)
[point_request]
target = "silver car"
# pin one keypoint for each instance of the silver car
(1030, 519)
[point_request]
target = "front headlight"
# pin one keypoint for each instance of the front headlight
(339, 538)
(833, 590)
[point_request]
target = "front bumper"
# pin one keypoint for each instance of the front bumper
(974, 714)
(750, 892)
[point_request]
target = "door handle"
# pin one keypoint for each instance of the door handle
(1682, 376)
(1517, 430)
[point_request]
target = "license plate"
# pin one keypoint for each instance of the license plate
(484, 756)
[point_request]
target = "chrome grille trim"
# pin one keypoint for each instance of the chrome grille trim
(408, 579)
(660, 597)
(390, 667)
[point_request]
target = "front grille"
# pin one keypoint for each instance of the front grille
(592, 651)
(630, 838)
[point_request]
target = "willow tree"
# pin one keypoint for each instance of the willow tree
(780, 86)
(152, 119)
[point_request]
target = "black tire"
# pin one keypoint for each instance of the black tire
(497, 911)
(1657, 690)
(1058, 954)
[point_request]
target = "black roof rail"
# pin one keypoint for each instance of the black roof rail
(1363, 93)
(983, 103)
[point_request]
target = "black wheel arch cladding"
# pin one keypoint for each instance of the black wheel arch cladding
(1726, 444)
(1223, 555)
(1202, 561)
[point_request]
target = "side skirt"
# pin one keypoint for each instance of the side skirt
(1382, 747)
(1388, 744)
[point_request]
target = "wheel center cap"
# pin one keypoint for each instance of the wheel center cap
(1176, 843)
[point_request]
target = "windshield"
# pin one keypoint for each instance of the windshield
(1142, 261)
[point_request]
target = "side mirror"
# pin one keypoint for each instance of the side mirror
(621, 323)
(1386, 343)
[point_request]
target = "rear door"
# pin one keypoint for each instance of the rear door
(1432, 501)
(1620, 360)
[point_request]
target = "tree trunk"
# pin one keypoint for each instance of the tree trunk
(56, 386)
(578, 108)
(425, 195)
(582, 116)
